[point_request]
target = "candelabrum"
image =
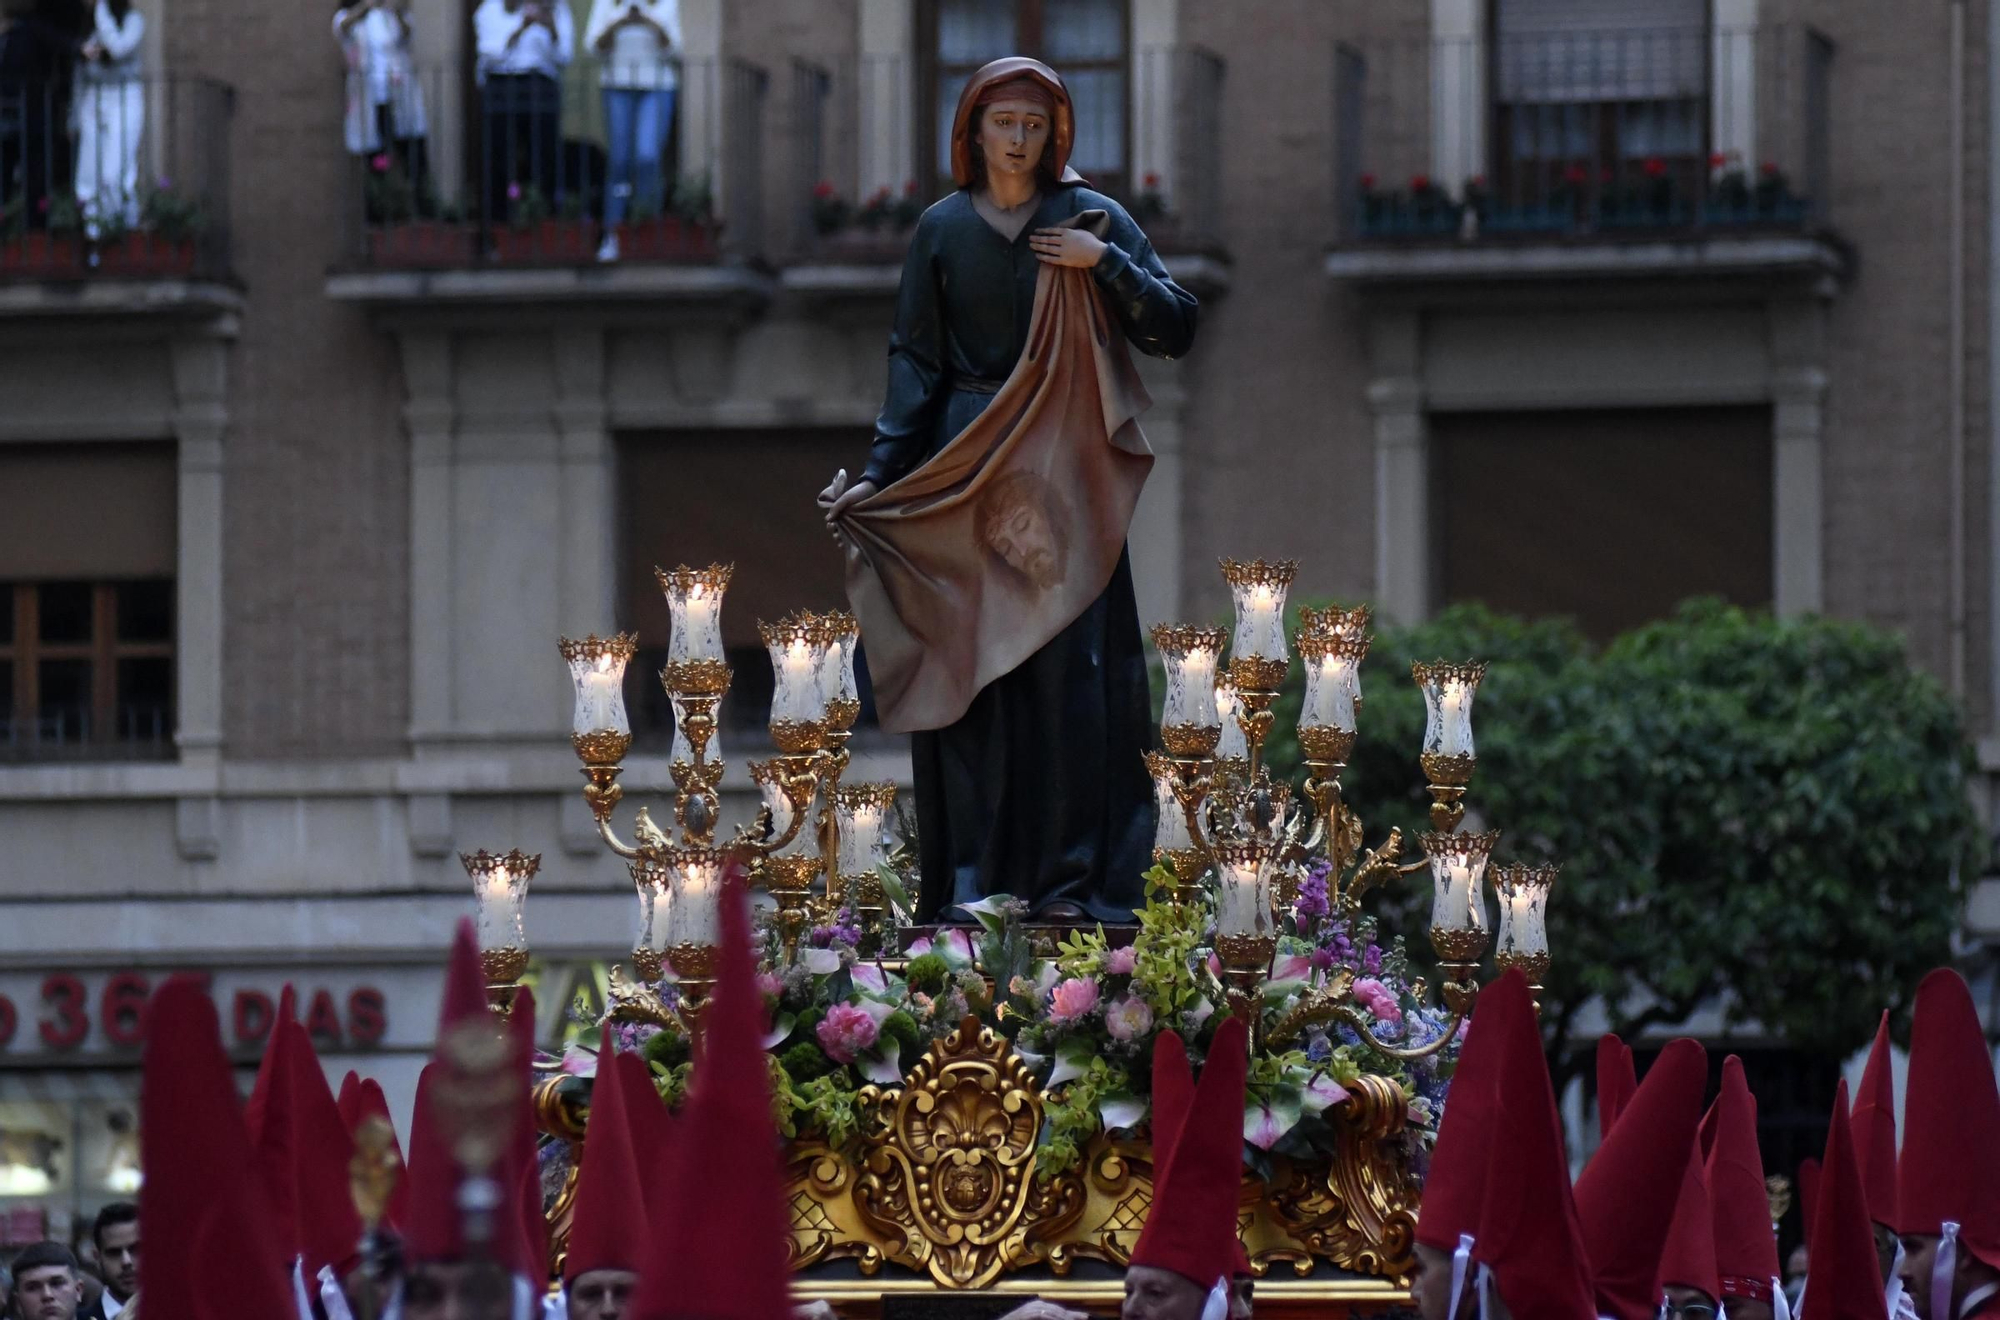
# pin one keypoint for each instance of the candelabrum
(789, 846)
(1227, 828)
(500, 896)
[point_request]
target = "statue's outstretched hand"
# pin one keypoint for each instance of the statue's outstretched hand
(839, 496)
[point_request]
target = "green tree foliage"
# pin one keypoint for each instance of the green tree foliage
(1772, 815)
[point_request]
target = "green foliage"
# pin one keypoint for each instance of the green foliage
(1082, 954)
(825, 1106)
(1770, 814)
(1167, 975)
(1070, 1117)
(672, 1083)
(927, 972)
(805, 1061)
(900, 1027)
(667, 1049)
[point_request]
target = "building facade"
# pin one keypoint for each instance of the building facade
(1573, 309)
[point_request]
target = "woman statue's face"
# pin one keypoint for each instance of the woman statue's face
(1012, 136)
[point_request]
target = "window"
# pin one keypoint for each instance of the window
(737, 497)
(87, 601)
(1592, 91)
(1610, 518)
(1086, 41)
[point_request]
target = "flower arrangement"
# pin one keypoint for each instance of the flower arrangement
(1084, 1020)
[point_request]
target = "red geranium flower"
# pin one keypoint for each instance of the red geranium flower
(1367, 181)
(1152, 179)
(1716, 160)
(824, 190)
(1655, 167)
(910, 188)
(1768, 169)
(1419, 182)
(1576, 174)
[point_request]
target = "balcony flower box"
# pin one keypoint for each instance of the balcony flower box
(667, 239)
(421, 244)
(146, 254)
(546, 243)
(41, 255)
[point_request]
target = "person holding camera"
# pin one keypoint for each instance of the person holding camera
(637, 44)
(524, 45)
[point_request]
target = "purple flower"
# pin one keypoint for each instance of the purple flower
(1128, 1018)
(1120, 962)
(1312, 901)
(1072, 1000)
(1371, 960)
(379, 162)
(845, 1031)
(1322, 960)
(164, 183)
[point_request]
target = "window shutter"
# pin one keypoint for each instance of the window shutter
(95, 511)
(1573, 51)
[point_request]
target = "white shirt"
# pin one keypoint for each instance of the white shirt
(638, 59)
(121, 46)
(112, 1306)
(377, 42)
(536, 50)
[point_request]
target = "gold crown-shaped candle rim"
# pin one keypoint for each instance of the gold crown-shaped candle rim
(1244, 852)
(683, 579)
(798, 626)
(1444, 671)
(619, 646)
(682, 856)
(853, 797)
(1259, 573)
(1443, 847)
(1319, 643)
(1333, 621)
(1191, 741)
(1324, 743)
(840, 624)
(1516, 876)
(1257, 676)
(1179, 640)
(648, 874)
(516, 863)
(695, 678)
(694, 962)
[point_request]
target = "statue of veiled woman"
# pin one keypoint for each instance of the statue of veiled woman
(985, 538)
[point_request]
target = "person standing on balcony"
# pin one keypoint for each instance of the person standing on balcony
(524, 45)
(110, 114)
(385, 120)
(637, 43)
(37, 51)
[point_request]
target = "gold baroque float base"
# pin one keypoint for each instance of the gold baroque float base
(942, 1184)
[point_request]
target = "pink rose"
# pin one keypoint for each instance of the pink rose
(1128, 1019)
(1379, 998)
(845, 1031)
(1120, 962)
(770, 984)
(1073, 999)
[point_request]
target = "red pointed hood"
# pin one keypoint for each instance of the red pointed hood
(434, 1230)
(199, 1188)
(1950, 1166)
(1617, 1080)
(1456, 1184)
(652, 1126)
(1843, 1280)
(1746, 1250)
(304, 1155)
(1527, 1232)
(369, 1102)
(260, 1090)
(729, 1240)
(1173, 1092)
(609, 1229)
(349, 1099)
(1688, 1260)
(1628, 1193)
(1191, 1227)
(1808, 1196)
(1873, 1123)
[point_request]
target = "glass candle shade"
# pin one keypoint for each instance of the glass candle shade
(1458, 870)
(1259, 591)
(1190, 725)
(500, 900)
(1523, 891)
(651, 881)
(1333, 621)
(1333, 694)
(694, 897)
(1170, 830)
(861, 813)
(1235, 746)
(695, 656)
(1243, 889)
(599, 726)
(838, 694)
(798, 646)
(1448, 692)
